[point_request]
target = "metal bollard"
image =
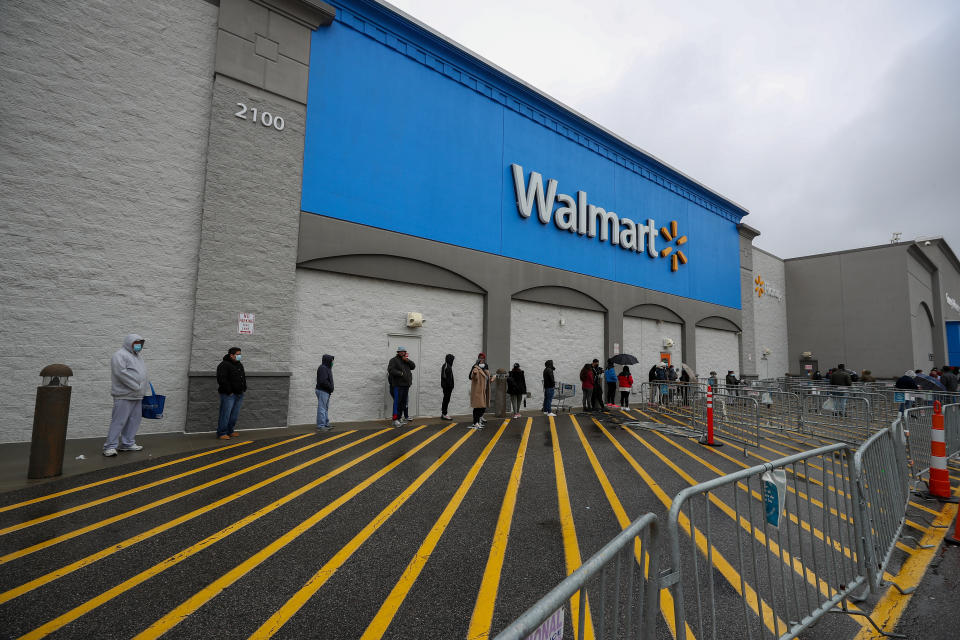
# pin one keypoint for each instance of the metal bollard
(50, 422)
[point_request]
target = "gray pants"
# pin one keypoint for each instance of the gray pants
(124, 423)
(516, 401)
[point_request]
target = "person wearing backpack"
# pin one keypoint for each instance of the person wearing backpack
(516, 387)
(446, 385)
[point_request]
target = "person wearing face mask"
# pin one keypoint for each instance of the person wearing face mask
(231, 384)
(128, 385)
(479, 390)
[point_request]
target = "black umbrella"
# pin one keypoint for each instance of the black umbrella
(624, 358)
(928, 382)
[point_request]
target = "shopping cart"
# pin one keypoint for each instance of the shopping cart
(563, 392)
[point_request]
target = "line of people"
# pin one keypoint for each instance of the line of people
(601, 385)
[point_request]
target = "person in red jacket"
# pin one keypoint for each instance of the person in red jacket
(625, 384)
(586, 383)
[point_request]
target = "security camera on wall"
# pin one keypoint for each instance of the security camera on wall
(415, 320)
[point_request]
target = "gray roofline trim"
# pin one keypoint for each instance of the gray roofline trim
(948, 252)
(394, 269)
(681, 184)
(765, 252)
(917, 253)
(875, 247)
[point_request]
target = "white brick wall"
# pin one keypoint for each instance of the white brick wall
(106, 107)
(643, 338)
(718, 351)
(350, 318)
(770, 316)
(536, 336)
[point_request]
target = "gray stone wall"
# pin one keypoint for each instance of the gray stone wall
(264, 403)
(770, 316)
(350, 317)
(537, 336)
(717, 350)
(106, 107)
(643, 338)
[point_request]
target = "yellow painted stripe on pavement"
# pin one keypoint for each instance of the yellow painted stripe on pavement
(143, 487)
(378, 626)
(58, 494)
(666, 598)
(482, 617)
(891, 606)
(152, 505)
(719, 560)
(317, 580)
(129, 542)
(571, 548)
(143, 576)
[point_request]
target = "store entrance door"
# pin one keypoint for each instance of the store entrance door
(412, 345)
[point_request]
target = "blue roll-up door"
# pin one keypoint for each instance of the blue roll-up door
(953, 343)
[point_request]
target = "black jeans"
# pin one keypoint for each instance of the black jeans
(611, 392)
(624, 398)
(477, 413)
(446, 400)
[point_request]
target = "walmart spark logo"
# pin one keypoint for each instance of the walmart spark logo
(677, 258)
(760, 286)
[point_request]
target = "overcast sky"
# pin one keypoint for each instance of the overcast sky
(834, 123)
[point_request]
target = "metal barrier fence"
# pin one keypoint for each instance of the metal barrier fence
(951, 423)
(735, 417)
(883, 486)
(918, 422)
(669, 394)
(838, 416)
(625, 606)
(777, 409)
(785, 571)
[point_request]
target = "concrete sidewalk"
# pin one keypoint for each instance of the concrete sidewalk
(15, 456)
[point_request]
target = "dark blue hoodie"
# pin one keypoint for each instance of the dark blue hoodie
(325, 374)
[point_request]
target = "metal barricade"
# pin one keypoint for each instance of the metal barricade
(951, 424)
(778, 409)
(670, 394)
(918, 423)
(883, 485)
(783, 578)
(735, 417)
(835, 415)
(623, 596)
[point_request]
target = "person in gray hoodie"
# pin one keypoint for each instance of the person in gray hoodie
(128, 385)
(324, 389)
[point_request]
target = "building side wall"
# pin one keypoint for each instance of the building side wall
(101, 209)
(921, 288)
(350, 318)
(537, 336)
(770, 316)
(643, 338)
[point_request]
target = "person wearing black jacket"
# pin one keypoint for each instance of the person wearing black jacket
(446, 385)
(516, 387)
(324, 389)
(598, 376)
(231, 385)
(399, 369)
(549, 383)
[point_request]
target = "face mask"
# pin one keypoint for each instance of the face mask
(137, 348)
(239, 357)
(483, 365)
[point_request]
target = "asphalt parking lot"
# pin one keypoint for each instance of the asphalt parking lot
(427, 531)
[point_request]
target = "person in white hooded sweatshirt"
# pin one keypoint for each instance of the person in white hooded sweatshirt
(128, 385)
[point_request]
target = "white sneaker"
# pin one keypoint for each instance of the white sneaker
(132, 447)
(445, 417)
(551, 415)
(110, 452)
(475, 426)
(397, 423)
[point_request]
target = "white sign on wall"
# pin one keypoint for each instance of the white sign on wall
(952, 303)
(245, 324)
